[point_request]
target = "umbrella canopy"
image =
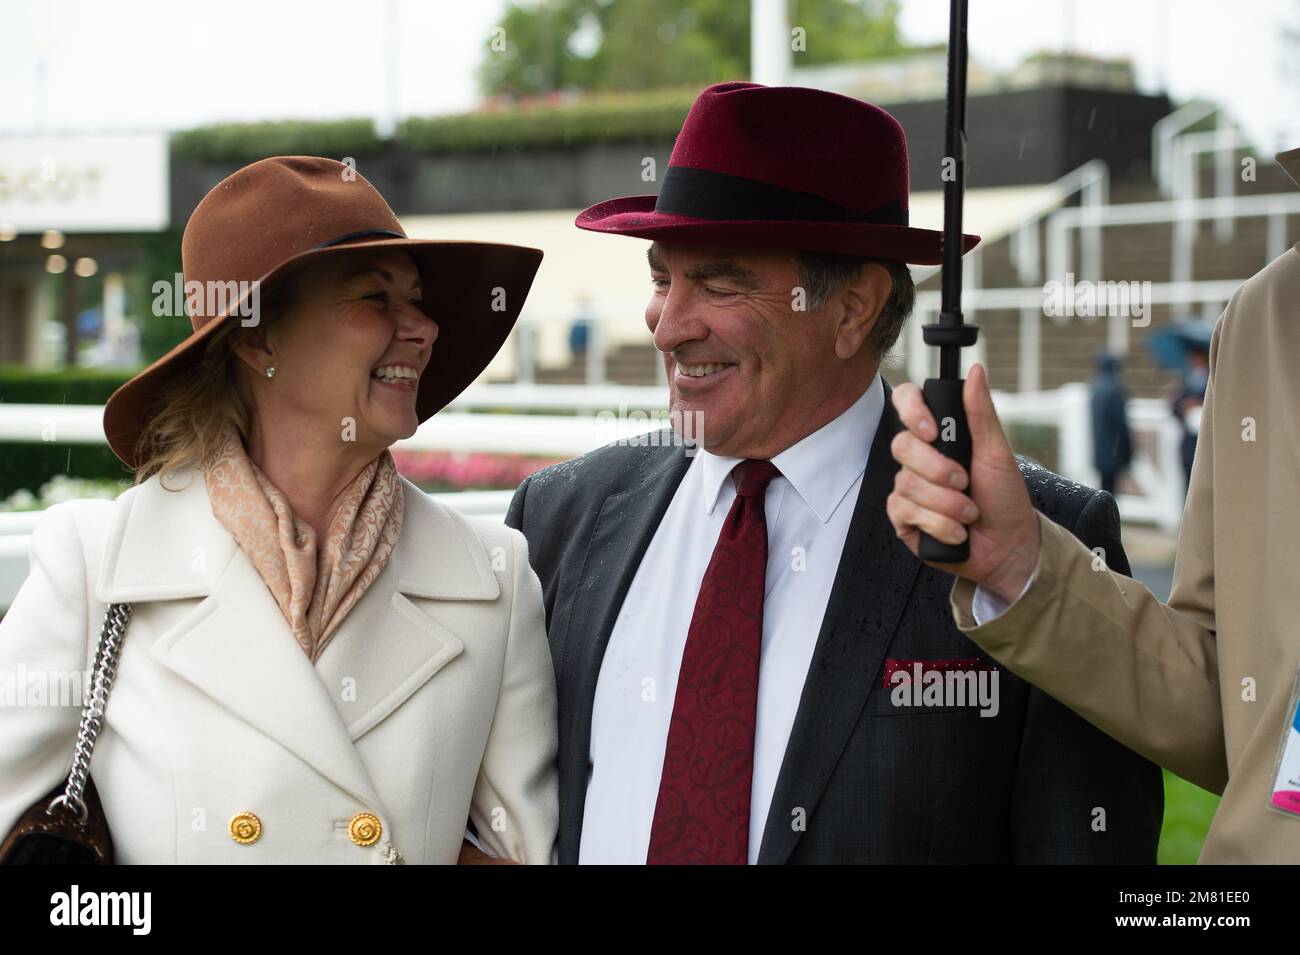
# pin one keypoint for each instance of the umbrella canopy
(1170, 346)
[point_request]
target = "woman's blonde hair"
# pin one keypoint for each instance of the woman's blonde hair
(191, 413)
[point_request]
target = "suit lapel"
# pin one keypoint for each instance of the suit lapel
(623, 530)
(872, 587)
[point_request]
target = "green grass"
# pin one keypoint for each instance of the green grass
(1188, 811)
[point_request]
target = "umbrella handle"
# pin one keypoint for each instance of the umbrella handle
(943, 398)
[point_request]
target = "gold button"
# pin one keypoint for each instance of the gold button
(245, 828)
(365, 829)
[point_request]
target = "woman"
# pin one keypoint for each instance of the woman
(321, 664)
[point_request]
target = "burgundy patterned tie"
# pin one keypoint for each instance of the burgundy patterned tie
(702, 814)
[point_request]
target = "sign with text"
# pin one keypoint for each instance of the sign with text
(99, 183)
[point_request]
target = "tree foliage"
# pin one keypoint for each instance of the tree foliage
(582, 45)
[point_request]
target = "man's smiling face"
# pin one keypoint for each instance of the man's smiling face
(755, 372)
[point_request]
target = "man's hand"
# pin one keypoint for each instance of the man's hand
(928, 492)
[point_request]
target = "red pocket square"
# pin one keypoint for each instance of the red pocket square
(910, 666)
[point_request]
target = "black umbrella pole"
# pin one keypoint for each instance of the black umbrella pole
(951, 334)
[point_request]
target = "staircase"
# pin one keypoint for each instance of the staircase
(624, 365)
(1138, 252)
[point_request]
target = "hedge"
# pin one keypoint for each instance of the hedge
(246, 142)
(20, 385)
(1040, 442)
(606, 118)
(600, 118)
(29, 465)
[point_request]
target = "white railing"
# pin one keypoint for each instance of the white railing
(531, 434)
(595, 359)
(922, 361)
(1065, 409)
(1164, 165)
(1212, 295)
(1157, 466)
(1274, 206)
(1223, 143)
(1091, 181)
(1176, 164)
(582, 399)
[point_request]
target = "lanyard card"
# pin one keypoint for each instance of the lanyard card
(1285, 795)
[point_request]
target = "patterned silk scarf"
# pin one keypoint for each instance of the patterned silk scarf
(315, 586)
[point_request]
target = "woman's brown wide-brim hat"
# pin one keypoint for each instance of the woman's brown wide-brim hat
(279, 213)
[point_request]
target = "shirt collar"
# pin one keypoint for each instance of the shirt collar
(821, 466)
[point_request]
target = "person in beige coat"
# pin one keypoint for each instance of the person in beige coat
(1202, 684)
(321, 663)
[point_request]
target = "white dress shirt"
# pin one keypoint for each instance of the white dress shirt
(985, 605)
(808, 509)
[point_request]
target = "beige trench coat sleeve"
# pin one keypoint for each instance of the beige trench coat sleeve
(1143, 672)
(515, 806)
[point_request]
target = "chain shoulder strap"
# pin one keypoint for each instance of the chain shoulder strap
(104, 671)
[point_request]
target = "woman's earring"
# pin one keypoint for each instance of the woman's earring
(270, 371)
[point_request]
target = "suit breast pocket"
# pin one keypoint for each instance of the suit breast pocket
(884, 706)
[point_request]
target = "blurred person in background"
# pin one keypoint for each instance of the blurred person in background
(580, 329)
(1112, 442)
(1188, 403)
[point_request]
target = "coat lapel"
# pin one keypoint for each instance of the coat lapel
(236, 648)
(623, 530)
(872, 587)
(390, 645)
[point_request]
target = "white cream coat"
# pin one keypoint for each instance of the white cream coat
(433, 703)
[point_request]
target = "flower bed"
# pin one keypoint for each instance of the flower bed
(467, 470)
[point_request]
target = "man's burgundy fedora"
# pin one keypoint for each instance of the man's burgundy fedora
(283, 212)
(781, 167)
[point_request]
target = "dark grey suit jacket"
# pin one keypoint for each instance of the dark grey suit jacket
(872, 782)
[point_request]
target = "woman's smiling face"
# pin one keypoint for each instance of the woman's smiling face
(348, 350)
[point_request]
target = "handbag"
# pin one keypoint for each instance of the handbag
(67, 825)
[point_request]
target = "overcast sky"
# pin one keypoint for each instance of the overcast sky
(145, 64)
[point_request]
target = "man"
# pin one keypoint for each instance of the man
(1112, 442)
(751, 667)
(1205, 685)
(1187, 404)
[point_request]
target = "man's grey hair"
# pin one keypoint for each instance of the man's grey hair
(823, 273)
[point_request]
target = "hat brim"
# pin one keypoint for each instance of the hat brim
(464, 283)
(636, 216)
